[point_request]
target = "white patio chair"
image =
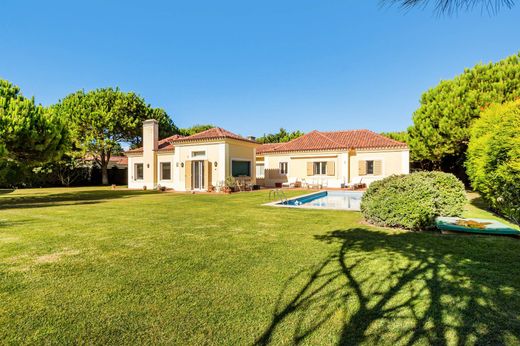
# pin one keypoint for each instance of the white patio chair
(290, 183)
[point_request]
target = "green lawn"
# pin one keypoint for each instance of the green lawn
(97, 266)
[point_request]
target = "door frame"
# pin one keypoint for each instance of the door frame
(197, 179)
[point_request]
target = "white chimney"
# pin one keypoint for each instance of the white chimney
(150, 146)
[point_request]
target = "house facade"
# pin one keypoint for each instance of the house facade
(332, 159)
(203, 161)
(200, 162)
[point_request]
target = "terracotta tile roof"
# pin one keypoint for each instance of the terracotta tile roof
(119, 160)
(267, 147)
(163, 144)
(316, 140)
(213, 133)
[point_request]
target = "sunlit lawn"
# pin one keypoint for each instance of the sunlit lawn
(97, 266)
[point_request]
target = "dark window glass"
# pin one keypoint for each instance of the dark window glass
(166, 171)
(284, 167)
(241, 168)
(139, 174)
(370, 167)
(320, 168)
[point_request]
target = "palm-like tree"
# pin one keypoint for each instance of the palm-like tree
(450, 6)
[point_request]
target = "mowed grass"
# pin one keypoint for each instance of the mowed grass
(96, 266)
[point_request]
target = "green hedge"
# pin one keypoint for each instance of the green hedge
(493, 163)
(413, 201)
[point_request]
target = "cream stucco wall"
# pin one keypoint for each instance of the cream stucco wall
(393, 162)
(184, 153)
(221, 152)
(133, 183)
(242, 152)
(346, 165)
(165, 157)
(297, 167)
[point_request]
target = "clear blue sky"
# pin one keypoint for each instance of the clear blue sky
(250, 66)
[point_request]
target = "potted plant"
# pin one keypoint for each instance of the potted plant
(229, 185)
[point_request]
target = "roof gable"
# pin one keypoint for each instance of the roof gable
(211, 134)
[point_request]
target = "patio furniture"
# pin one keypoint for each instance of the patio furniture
(291, 182)
(244, 184)
(356, 183)
(314, 185)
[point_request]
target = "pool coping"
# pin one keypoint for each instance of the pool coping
(303, 206)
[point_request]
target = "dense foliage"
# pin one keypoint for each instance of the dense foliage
(401, 136)
(29, 134)
(188, 131)
(279, 137)
(440, 131)
(101, 119)
(493, 163)
(413, 201)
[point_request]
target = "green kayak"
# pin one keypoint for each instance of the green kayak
(474, 226)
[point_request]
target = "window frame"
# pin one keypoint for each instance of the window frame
(258, 165)
(241, 160)
(281, 167)
(161, 164)
(136, 177)
(198, 154)
(369, 163)
(319, 168)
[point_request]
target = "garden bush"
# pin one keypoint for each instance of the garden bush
(493, 163)
(413, 201)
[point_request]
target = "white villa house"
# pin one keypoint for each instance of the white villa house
(203, 161)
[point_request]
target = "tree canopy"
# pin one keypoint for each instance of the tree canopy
(279, 137)
(440, 131)
(493, 163)
(29, 134)
(401, 136)
(100, 120)
(188, 131)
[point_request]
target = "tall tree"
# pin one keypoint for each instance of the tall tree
(440, 132)
(280, 137)
(29, 134)
(100, 120)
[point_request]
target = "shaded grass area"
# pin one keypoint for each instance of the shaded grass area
(98, 266)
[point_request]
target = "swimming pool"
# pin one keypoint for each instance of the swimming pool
(342, 200)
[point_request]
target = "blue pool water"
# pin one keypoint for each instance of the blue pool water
(344, 200)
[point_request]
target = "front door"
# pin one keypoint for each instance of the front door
(197, 175)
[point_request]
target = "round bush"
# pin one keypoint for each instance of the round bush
(413, 201)
(493, 163)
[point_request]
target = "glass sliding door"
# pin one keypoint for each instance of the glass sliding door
(197, 175)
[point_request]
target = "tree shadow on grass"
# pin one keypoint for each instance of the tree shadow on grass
(68, 198)
(407, 288)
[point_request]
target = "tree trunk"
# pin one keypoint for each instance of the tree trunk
(104, 168)
(104, 174)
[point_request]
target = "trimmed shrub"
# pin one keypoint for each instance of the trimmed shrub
(493, 163)
(413, 201)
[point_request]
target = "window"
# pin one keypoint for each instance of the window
(370, 166)
(284, 168)
(260, 170)
(320, 168)
(241, 168)
(198, 153)
(138, 171)
(166, 170)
